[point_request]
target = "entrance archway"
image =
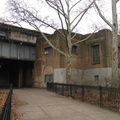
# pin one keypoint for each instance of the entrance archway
(17, 72)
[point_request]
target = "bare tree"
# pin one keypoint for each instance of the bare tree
(68, 16)
(114, 27)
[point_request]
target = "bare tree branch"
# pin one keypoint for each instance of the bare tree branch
(102, 15)
(75, 4)
(64, 14)
(81, 16)
(44, 36)
(117, 1)
(62, 25)
(84, 38)
(54, 6)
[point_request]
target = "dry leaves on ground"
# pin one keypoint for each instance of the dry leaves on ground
(3, 97)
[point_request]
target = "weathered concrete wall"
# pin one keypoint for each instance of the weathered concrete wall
(60, 75)
(45, 63)
(86, 77)
(81, 62)
(103, 39)
(18, 36)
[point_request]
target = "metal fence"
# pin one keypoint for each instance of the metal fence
(105, 97)
(6, 111)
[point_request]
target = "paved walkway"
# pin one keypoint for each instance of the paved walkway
(45, 105)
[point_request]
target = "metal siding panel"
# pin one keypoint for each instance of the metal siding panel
(26, 52)
(14, 51)
(5, 50)
(32, 53)
(21, 54)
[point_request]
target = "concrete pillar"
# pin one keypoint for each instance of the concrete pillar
(20, 77)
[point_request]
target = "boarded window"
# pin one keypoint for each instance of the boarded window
(74, 50)
(96, 77)
(49, 78)
(96, 55)
(48, 50)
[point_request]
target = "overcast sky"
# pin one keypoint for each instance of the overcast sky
(2, 7)
(85, 25)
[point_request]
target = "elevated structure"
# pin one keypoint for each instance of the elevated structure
(17, 55)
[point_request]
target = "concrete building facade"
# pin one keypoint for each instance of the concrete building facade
(91, 60)
(27, 60)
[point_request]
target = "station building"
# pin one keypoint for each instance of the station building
(27, 60)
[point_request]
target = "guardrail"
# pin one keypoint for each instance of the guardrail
(6, 111)
(105, 97)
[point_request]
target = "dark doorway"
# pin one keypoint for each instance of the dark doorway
(19, 73)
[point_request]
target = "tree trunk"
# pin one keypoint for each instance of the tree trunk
(68, 70)
(115, 76)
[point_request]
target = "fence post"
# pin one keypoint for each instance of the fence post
(56, 88)
(70, 90)
(83, 93)
(101, 98)
(75, 88)
(52, 88)
(47, 86)
(62, 89)
(10, 97)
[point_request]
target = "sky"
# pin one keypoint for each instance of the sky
(2, 7)
(85, 25)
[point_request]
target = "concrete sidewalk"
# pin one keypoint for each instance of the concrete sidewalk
(45, 105)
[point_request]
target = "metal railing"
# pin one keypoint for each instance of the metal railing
(6, 111)
(105, 97)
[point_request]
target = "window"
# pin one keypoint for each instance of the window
(96, 77)
(74, 50)
(48, 50)
(95, 56)
(49, 78)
